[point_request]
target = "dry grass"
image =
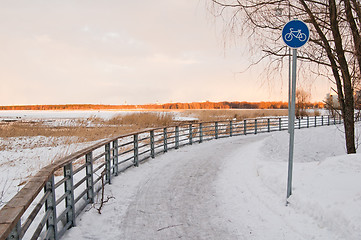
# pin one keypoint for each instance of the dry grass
(143, 119)
(82, 130)
(93, 128)
(223, 115)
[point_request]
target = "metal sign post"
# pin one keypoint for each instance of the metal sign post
(289, 87)
(295, 34)
(291, 117)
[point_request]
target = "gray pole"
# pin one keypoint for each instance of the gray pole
(289, 73)
(289, 88)
(292, 124)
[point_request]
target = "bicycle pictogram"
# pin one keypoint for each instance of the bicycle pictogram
(297, 34)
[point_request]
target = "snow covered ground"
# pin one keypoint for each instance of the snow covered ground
(231, 188)
(235, 188)
(71, 115)
(58, 114)
(23, 158)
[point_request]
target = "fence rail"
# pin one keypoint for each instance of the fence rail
(49, 203)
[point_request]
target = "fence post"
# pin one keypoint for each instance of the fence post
(176, 137)
(255, 126)
(115, 157)
(280, 124)
(231, 128)
(308, 121)
(268, 125)
(69, 190)
(165, 137)
(315, 121)
(16, 232)
(152, 143)
(89, 173)
(136, 161)
(190, 134)
(50, 205)
(200, 132)
(216, 130)
(245, 127)
(322, 120)
(107, 163)
(299, 123)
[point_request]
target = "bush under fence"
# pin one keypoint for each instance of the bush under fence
(49, 203)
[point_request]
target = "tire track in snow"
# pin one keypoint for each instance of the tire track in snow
(179, 200)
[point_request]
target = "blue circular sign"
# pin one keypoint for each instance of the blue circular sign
(295, 33)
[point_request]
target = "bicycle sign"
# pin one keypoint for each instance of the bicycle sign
(295, 33)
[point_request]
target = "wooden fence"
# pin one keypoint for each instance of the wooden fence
(49, 203)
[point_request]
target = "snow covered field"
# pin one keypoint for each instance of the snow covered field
(235, 188)
(63, 115)
(22, 157)
(23, 160)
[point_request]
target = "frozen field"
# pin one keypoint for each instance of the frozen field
(33, 114)
(61, 115)
(105, 114)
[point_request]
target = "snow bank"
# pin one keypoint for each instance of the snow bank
(326, 187)
(330, 192)
(326, 182)
(314, 144)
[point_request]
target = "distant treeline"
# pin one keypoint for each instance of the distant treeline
(193, 105)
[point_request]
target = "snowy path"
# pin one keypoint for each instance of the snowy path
(179, 200)
(230, 188)
(173, 196)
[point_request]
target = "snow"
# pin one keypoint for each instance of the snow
(58, 118)
(25, 156)
(76, 114)
(57, 114)
(323, 202)
(235, 188)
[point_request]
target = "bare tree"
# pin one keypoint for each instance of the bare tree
(302, 98)
(332, 105)
(334, 48)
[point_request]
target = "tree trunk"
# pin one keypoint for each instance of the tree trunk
(349, 127)
(348, 106)
(344, 88)
(355, 31)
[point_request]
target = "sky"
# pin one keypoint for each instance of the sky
(125, 52)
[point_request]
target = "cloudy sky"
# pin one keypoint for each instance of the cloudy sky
(121, 51)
